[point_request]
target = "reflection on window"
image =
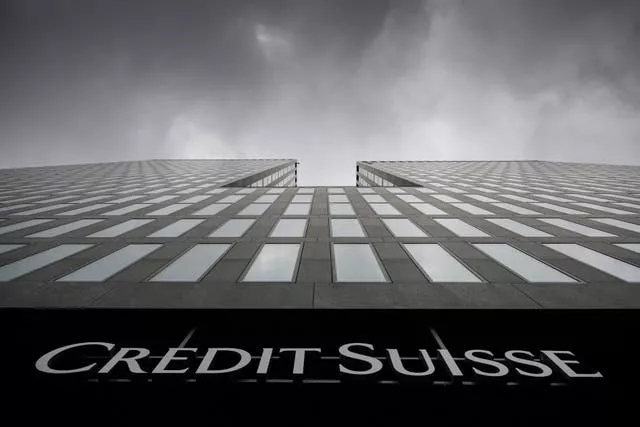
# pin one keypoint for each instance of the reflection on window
(275, 262)
(356, 263)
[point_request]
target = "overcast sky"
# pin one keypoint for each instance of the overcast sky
(328, 82)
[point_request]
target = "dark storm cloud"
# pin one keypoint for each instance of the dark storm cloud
(328, 82)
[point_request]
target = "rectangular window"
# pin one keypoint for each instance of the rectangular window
(374, 198)
(518, 198)
(111, 264)
(276, 191)
(402, 227)
(460, 227)
(365, 190)
(481, 198)
(612, 266)
(289, 228)
(195, 199)
(212, 209)
(217, 191)
(426, 190)
(298, 209)
(39, 260)
(66, 228)
(439, 265)
(594, 199)
(613, 222)
(354, 262)
(22, 225)
(628, 205)
(635, 247)
(245, 191)
(428, 209)
(302, 198)
(525, 266)
(346, 227)
(121, 228)
(576, 228)
(233, 228)
(176, 229)
(275, 262)
(445, 198)
(43, 209)
(125, 199)
(231, 199)
(518, 228)
(85, 209)
(395, 190)
(268, 198)
(384, 209)
(168, 210)
(9, 248)
(409, 198)
(127, 209)
(193, 264)
(517, 209)
(305, 191)
(603, 208)
(341, 209)
(161, 199)
(187, 191)
(335, 190)
(472, 209)
(254, 209)
(561, 209)
(554, 198)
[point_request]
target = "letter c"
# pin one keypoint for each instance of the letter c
(43, 363)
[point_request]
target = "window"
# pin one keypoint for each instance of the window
(168, 210)
(561, 209)
(554, 198)
(472, 209)
(576, 228)
(254, 209)
(178, 228)
(603, 208)
(9, 248)
(289, 228)
(438, 265)
(402, 227)
(275, 191)
(335, 190)
(518, 228)
(395, 190)
(125, 199)
(481, 198)
(522, 264)
(39, 260)
(212, 209)
(298, 209)
(428, 209)
(460, 227)
(356, 263)
(612, 266)
(516, 209)
(43, 209)
(305, 191)
(374, 198)
(21, 225)
(384, 209)
(195, 199)
(615, 223)
(85, 209)
(341, 209)
(233, 228)
(193, 264)
(217, 191)
(122, 228)
(635, 247)
(409, 198)
(66, 228)
(346, 227)
(275, 262)
(518, 198)
(365, 190)
(445, 198)
(161, 199)
(231, 199)
(110, 265)
(268, 198)
(302, 198)
(127, 209)
(338, 198)
(245, 190)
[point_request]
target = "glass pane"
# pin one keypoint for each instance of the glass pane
(346, 227)
(365, 190)
(522, 264)
(195, 199)
(231, 199)
(576, 228)
(561, 209)
(8, 248)
(176, 229)
(517, 209)
(43, 209)
(233, 228)
(612, 266)
(298, 209)
(374, 198)
(428, 209)
(445, 198)
(66, 228)
(289, 228)
(338, 198)
(341, 209)
(631, 246)
(37, 261)
(21, 225)
(409, 198)
(481, 198)
(438, 265)
(276, 191)
(122, 228)
(402, 227)
(384, 209)
(305, 191)
(274, 263)
(127, 209)
(254, 209)
(245, 190)
(217, 191)
(161, 199)
(191, 266)
(521, 229)
(212, 209)
(356, 263)
(395, 190)
(167, 210)
(460, 227)
(267, 198)
(472, 209)
(609, 221)
(604, 208)
(302, 198)
(335, 190)
(86, 209)
(111, 264)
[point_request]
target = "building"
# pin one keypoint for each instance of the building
(476, 254)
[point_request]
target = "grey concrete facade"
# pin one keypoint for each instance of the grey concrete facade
(593, 207)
